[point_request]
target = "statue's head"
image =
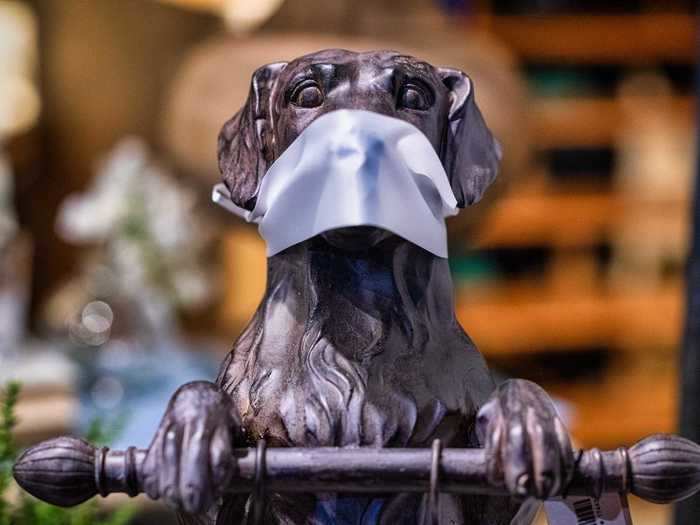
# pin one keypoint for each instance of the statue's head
(286, 97)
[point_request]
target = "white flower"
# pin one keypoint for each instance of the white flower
(169, 212)
(95, 215)
(192, 287)
(147, 223)
(82, 219)
(130, 266)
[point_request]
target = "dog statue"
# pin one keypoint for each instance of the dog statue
(355, 342)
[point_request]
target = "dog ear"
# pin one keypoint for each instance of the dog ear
(470, 154)
(246, 141)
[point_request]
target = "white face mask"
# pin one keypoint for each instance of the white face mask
(353, 168)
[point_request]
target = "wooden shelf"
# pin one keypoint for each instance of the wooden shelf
(599, 38)
(583, 218)
(514, 319)
(587, 122)
(626, 406)
(574, 305)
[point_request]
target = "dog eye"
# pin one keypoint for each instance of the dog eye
(413, 96)
(307, 95)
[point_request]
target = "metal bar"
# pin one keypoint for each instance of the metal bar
(67, 471)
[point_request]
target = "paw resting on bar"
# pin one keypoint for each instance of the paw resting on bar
(528, 449)
(190, 459)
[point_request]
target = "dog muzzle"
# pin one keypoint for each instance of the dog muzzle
(353, 168)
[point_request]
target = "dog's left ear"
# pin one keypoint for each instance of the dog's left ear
(469, 153)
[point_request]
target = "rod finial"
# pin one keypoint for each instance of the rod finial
(665, 468)
(60, 471)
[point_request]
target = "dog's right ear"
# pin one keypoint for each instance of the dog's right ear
(246, 141)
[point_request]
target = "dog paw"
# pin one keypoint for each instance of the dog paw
(190, 459)
(527, 446)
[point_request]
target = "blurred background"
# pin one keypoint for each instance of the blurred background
(119, 280)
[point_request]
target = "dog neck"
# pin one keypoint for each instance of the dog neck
(394, 281)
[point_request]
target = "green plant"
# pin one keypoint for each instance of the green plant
(8, 450)
(26, 510)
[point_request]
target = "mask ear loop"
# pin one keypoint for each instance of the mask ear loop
(434, 494)
(221, 196)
